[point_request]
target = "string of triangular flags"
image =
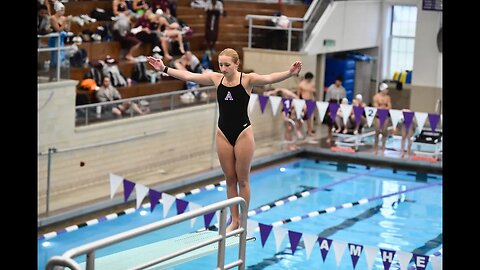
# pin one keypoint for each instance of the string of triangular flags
(322, 108)
(155, 197)
(355, 250)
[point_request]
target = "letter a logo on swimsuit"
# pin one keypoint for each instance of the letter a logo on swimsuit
(229, 96)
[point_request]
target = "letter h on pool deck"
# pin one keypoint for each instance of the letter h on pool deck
(159, 255)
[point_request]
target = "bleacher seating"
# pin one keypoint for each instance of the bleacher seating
(77, 8)
(233, 33)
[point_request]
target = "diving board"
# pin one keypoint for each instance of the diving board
(129, 258)
(165, 253)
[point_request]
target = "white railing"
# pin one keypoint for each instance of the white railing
(309, 20)
(89, 249)
(57, 48)
(97, 112)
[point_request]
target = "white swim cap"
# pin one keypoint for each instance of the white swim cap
(358, 97)
(383, 86)
(58, 6)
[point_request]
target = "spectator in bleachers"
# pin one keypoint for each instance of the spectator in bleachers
(121, 6)
(111, 69)
(140, 6)
(143, 30)
(191, 63)
(60, 24)
(160, 4)
(43, 20)
(107, 92)
(47, 3)
(167, 13)
(213, 10)
(169, 34)
(121, 32)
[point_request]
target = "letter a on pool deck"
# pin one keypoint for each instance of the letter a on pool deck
(132, 257)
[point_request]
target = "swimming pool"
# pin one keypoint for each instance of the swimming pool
(368, 206)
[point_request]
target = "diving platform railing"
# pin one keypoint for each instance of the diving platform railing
(194, 249)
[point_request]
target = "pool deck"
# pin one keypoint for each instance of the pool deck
(177, 180)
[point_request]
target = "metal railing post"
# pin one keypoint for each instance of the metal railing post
(86, 116)
(438, 106)
(289, 46)
(49, 163)
(243, 237)
(304, 34)
(249, 32)
(58, 56)
(91, 260)
(221, 244)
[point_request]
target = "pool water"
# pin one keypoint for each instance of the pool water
(409, 221)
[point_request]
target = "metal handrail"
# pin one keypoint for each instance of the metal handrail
(147, 97)
(250, 18)
(438, 106)
(312, 10)
(58, 48)
(89, 249)
(150, 98)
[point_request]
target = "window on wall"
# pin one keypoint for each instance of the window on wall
(402, 39)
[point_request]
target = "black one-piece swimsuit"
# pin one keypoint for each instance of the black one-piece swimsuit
(232, 104)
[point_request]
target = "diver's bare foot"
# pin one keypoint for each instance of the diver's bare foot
(232, 226)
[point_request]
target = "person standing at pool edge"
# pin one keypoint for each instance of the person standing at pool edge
(234, 136)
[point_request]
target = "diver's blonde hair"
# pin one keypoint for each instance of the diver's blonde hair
(230, 52)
